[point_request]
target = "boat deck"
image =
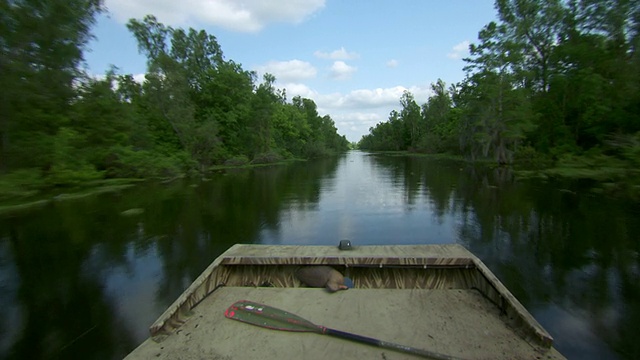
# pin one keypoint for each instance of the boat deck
(439, 298)
(459, 323)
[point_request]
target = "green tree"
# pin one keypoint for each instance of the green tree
(396, 132)
(101, 120)
(167, 86)
(388, 135)
(177, 74)
(441, 128)
(498, 109)
(291, 131)
(263, 107)
(211, 108)
(225, 100)
(41, 44)
(531, 28)
(410, 115)
(596, 91)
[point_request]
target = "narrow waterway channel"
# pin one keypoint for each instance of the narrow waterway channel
(80, 279)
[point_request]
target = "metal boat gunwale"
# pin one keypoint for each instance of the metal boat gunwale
(371, 267)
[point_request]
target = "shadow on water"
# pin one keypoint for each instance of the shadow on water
(80, 280)
(569, 256)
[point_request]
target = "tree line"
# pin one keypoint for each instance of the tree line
(194, 109)
(550, 80)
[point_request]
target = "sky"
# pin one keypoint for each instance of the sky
(353, 58)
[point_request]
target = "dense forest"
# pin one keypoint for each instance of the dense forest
(550, 82)
(195, 109)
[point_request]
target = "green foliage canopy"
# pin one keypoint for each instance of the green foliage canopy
(193, 110)
(549, 79)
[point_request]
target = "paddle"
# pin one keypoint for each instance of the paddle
(272, 318)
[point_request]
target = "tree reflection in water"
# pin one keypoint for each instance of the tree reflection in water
(80, 280)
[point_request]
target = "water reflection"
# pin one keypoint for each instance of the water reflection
(371, 201)
(79, 280)
(571, 257)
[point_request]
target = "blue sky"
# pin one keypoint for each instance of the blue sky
(353, 58)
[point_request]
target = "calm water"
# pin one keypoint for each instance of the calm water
(79, 280)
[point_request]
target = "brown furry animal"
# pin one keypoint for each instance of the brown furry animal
(321, 276)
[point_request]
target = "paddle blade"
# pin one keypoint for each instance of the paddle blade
(269, 317)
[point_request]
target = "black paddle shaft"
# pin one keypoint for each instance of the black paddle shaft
(385, 344)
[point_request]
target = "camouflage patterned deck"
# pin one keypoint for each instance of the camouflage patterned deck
(416, 283)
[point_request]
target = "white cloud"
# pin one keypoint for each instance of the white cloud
(356, 111)
(360, 100)
(244, 16)
(379, 97)
(139, 78)
(358, 120)
(375, 97)
(460, 50)
(288, 71)
(356, 124)
(341, 71)
(340, 54)
(297, 89)
(392, 63)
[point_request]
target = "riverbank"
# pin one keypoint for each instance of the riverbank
(435, 156)
(14, 199)
(606, 174)
(22, 191)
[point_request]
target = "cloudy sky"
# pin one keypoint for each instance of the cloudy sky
(353, 58)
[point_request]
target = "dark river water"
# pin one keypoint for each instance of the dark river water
(80, 280)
